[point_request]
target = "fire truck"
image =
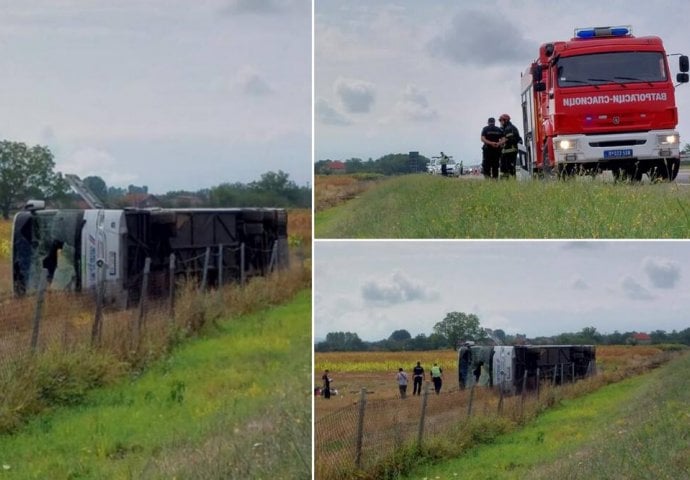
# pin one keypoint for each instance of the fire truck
(602, 101)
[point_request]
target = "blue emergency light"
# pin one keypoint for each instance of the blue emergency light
(594, 32)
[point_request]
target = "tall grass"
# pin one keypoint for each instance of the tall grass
(421, 206)
(461, 435)
(635, 428)
(233, 403)
(65, 366)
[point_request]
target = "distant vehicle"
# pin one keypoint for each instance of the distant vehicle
(510, 367)
(604, 100)
(434, 167)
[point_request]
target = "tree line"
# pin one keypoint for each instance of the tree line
(391, 164)
(29, 172)
(458, 327)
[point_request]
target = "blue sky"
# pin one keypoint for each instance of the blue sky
(402, 75)
(533, 287)
(165, 93)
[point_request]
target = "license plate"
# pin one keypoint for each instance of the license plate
(626, 152)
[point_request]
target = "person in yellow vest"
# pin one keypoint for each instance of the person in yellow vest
(437, 377)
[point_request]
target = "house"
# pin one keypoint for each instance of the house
(336, 166)
(640, 338)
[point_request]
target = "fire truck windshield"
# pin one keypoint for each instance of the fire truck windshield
(613, 67)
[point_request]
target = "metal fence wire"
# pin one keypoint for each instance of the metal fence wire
(365, 433)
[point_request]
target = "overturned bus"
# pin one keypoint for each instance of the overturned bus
(512, 367)
(79, 248)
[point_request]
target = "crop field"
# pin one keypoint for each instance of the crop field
(332, 190)
(375, 371)
(423, 206)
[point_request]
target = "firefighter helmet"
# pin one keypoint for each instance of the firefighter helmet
(505, 116)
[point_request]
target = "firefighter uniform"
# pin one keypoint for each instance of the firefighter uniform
(491, 152)
(511, 138)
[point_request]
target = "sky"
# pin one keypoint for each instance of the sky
(402, 75)
(171, 94)
(537, 288)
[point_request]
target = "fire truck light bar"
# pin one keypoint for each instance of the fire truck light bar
(618, 31)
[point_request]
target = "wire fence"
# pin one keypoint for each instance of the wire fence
(366, 433)
(65, 320)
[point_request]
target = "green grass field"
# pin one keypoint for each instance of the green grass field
(422, 206)
(638, 428)
(233, 404)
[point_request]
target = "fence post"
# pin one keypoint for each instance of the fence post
(272, 261)
(572, 368)
(522, 394)
(204, 275)
(469, 404)
(360, 427)
(42, 285)
(144, 295)
(220, 266)
(171, 288)
(420, 433)
(555, 371)
(538, 381)
(98, 316)
(501, 391)
(242, 277)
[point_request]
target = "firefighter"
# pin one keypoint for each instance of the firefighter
(491, 149)
(509, 142)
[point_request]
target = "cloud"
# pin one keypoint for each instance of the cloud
(579, 284)
(635, 291)
(240, 7)
(398, 289)
(482, 38)
(357, 96)
(89, 161)
(415, 106)
(251, 83)
(662, 273)
(328, 115)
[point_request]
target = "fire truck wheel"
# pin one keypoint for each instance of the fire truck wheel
(666, 169)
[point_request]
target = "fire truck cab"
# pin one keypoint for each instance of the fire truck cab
(603, 100)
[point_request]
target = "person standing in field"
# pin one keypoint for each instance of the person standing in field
(509, 142)
(491, 149)
(418, 377)
(437, 377)
(402, 382)
(326, 391)
(444, 164)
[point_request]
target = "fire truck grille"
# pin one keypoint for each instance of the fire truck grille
(617, 143)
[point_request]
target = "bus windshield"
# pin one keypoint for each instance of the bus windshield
(613, 67)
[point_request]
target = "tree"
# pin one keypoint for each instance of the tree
(400, 336)
(686, 148)
(97, 186)
(26, 171)
(340, 341)
(459, 326)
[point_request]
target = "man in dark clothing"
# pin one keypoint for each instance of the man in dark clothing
(491, 149)
(418, 377)
(509, 142)
(444, 164)
(326, 391)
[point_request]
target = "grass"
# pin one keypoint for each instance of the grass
(233, 404)
(423, 206)
(5, 256)
(637, 428)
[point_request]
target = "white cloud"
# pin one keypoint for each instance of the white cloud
(634, 291)
(399, 288)
(251, 83)
(662, 272)
(89, 161)
(328, 115)
(414, 105)
(356, 96)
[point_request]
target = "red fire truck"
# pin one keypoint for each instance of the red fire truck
(602, 101)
